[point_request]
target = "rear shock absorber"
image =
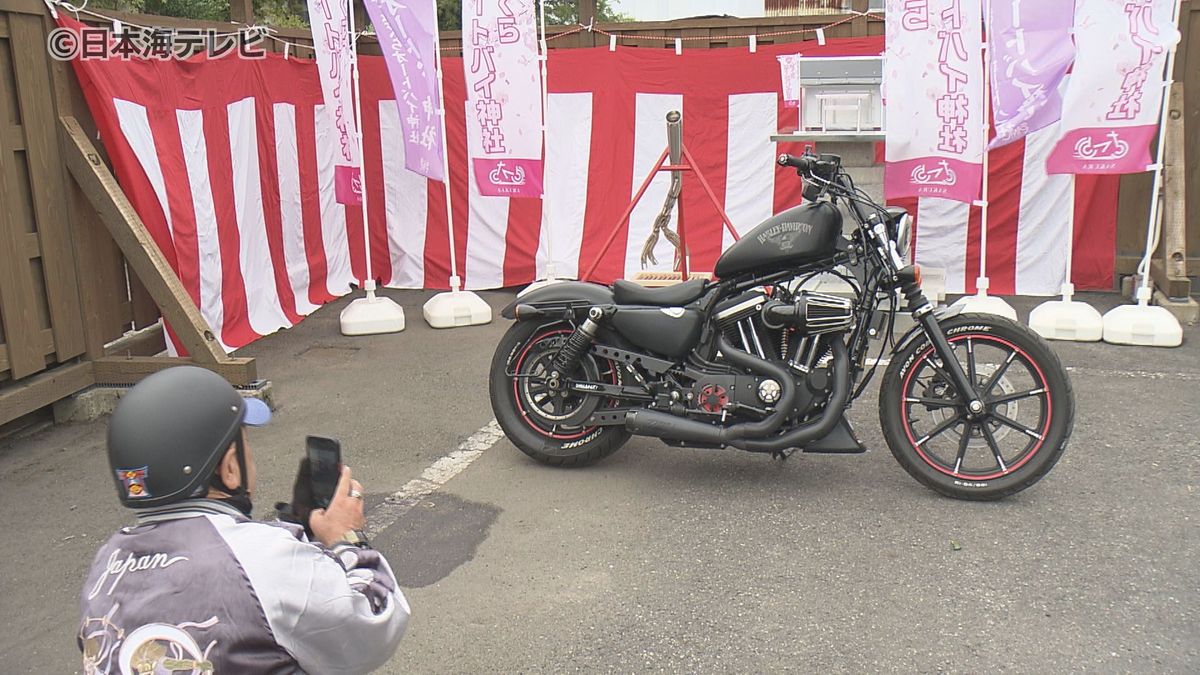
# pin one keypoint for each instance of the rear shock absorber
(577, 344)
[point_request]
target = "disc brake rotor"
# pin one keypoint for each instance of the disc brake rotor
(983, 373)
(561, 408)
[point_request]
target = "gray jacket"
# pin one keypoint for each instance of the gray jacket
(198, 587)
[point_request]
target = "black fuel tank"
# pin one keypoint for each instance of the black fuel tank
(799, 235)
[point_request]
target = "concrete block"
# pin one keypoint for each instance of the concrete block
(1187, 310)
(93, 403)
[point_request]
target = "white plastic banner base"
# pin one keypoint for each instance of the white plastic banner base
(1067, 319)
(986, 304)
(1142, 324)
(372, 315)
(454, 309)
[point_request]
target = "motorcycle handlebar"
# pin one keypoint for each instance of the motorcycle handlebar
(803, 164)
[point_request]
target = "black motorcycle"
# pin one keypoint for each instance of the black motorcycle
(972, 405)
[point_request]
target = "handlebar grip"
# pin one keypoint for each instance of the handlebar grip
(801, 164)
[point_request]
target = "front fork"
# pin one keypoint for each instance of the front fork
(922, 311)
(906, 277)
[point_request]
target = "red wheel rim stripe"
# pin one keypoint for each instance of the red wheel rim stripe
(997, 474)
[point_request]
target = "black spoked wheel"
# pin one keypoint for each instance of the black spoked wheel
(1021, 432)
(543, 418)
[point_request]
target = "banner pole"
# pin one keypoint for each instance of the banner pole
(369, 281)
(372, 314)
(544, 57)
(455, 280)
(1144, 292)
(981, 301)
(458, 307)
(982, 282)
(1142, 323)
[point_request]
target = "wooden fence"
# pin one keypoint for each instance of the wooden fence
(70, 302)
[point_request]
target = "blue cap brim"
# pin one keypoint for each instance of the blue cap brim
(257, 413)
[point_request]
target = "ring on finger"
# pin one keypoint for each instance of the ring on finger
(356, 494)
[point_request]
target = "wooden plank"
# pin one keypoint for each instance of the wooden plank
(148, 341)
(18, 297)
(46, 184)
(14, 137)
(23, 6)
(239, 372)
(1172, 286)
(3, 25)
(1190, 26)
(42, 390)
(29, 245)
(104, 299)
(1174, 222)
(145, 311)
(139, 248)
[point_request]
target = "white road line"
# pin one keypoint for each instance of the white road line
(435, 476)
(1151, 375)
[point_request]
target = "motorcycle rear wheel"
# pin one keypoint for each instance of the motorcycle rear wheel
(1029, 410)
(550, 426)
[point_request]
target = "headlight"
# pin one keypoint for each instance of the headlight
(904, 236)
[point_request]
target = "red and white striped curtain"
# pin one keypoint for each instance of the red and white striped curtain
(231, 166)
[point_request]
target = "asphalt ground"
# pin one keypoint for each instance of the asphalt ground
(676, 560)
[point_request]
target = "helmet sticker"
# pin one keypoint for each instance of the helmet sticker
(135, 482)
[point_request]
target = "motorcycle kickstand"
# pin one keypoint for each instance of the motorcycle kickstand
(782, 455)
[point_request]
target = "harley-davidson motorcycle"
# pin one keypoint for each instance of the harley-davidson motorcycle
(973, 406)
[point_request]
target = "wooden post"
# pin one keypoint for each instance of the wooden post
(1173, 276)
(242, 11)
(127, 229)
(858, 25)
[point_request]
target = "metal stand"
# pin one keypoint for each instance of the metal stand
(681, 160)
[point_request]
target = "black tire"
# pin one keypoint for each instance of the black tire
(570, 445)
(964, 472)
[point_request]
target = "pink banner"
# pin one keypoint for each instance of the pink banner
(1031, 52)
(1114, 96)
(334, 50)
(934, 77)
(504, 97)
(407, 37)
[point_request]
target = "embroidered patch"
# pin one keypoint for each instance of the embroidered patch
(135, 482)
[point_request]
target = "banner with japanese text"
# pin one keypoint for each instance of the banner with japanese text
(335, 54)
(504, 97)
(1112, 103)
(407, 33)
(1031, 53)
(934, 77)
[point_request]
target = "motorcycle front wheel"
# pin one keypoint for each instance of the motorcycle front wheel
(1029, 410)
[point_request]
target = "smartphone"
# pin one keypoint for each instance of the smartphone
(325, 463)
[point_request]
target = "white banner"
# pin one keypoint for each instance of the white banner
(334, 49)
(504, 96)
(1113, 100)
(934, 78)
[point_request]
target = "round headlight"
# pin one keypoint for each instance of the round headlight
(904, 236)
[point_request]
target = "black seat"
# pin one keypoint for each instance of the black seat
(629, 293)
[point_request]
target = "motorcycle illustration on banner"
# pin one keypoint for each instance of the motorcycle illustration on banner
(1112, 148)
(973, 406)
(941, 174)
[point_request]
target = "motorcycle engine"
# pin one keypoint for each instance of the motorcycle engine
(777, 325)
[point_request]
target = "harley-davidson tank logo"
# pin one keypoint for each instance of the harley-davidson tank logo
(784, 234)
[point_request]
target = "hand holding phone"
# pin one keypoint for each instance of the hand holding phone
(325, 468)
